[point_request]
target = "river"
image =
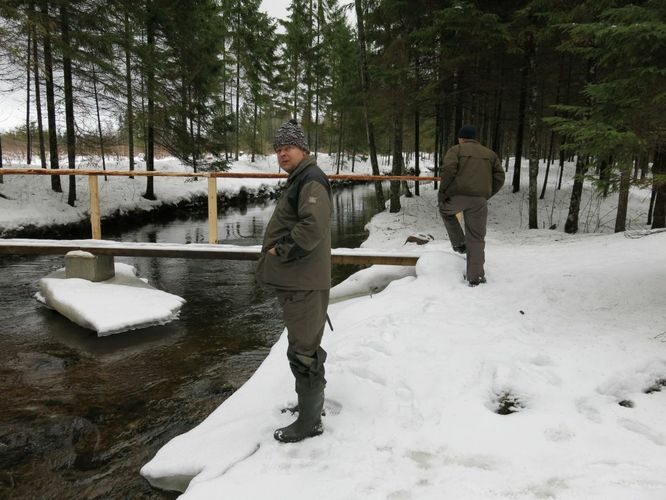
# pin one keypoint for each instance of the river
(80, 414)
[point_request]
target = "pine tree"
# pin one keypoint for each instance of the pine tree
(624, 112)
(365, 86)
(50, 94)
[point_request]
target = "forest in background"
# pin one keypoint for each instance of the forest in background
(206, 81)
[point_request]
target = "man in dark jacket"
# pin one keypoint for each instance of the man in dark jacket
(471, 174)
(296, 262)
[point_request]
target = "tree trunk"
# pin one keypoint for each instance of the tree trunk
(417, 149)
(561, 174)
(150, 84)
(316, 131)
(50, 100)
(438, 133)
(320, 15)
(520, 133)
(653, 195)
(397, 161)
(224, 98)
(417, 125)
(2, 180)
(237, 105)
(644, 166)
(69, 103)
(353, 159)
(498, 117)
(550, 159)
(365, 85)
(144, 122)
(659, 183)
(197, 140)
(186, 118)
(307, 112)
(128, 86)
(605, 169)
(99, 121)
(623, 198)
(193, 139)
(38, 96)
(571, 225)
(340, 159)
(254, 131)
(458, 111)
(28, 130)
(533, 135)
(552, 134)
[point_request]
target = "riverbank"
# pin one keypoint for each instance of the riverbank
(30, 209)
(545, 382)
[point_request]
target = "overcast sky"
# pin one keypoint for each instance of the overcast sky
(275, 8)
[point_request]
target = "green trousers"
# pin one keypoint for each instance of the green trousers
(475, 214)
(304, 314)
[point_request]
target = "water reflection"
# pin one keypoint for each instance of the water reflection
(81, 414)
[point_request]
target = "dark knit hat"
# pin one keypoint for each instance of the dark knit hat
(290, 133)
(467, 132)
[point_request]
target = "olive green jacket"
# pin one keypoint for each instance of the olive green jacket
(299, 229)
(470, 169)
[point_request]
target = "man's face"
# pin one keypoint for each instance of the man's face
(289, 157)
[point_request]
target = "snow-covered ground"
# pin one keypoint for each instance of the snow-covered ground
(569, 334)
(562, 333)
(29, 200)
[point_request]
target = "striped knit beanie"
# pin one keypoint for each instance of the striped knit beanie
(290, 133)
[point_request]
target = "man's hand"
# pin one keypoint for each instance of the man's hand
(272, 251)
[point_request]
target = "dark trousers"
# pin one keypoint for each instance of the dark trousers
(475, 214)
(304, 313)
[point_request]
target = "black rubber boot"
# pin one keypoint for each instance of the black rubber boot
(460, 248)
(310, 382)
(308, 423)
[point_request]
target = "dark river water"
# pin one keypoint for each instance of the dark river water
(80, 415)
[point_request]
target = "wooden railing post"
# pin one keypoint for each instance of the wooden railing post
(95, 221)
(212, 210)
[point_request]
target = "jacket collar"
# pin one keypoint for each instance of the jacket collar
(305, 163)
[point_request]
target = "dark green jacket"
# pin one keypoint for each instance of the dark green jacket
(470, 169)
(300, 230)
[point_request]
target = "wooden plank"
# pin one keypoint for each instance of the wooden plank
(212, 210)
(111, 173)
(386, 260)
(191, 251)
(223, 175)
(95, 220)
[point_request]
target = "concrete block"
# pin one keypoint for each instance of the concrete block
(87, 266)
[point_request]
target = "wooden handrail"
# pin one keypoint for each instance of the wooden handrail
(95, 218)
(221, 175)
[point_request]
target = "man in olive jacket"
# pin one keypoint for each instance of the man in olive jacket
(296, 262)
(471, 174)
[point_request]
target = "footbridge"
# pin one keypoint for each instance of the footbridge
(212, 250)
(358, 256)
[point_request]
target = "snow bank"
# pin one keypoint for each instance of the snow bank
(420, 373)
(124, 302)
